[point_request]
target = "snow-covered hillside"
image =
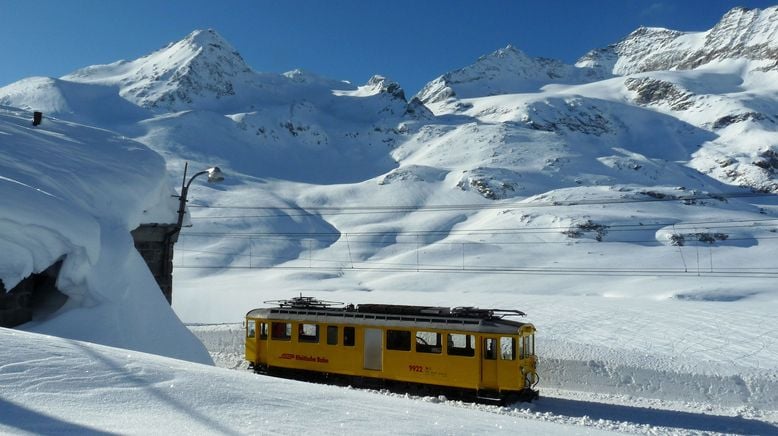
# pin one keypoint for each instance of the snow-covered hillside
(626, 203)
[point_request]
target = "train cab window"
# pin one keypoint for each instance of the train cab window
(507, 348)
(332, 335)
(461, 345)
(308, 333)
(251, 328)
(490, 348)
(428, 342)
(281, 331)
(399, 340)
(527, 346)
(349, 336)
(263, 330)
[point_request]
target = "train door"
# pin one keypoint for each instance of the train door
(251, 340)
(256, 341)
(373, 349)
(262, 342)
(489, 366)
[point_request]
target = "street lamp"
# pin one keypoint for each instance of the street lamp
(171, 237)
(215, 175)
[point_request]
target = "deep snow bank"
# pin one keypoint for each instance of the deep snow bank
(747, 389)
(73, 193)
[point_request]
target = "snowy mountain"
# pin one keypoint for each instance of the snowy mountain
(750, 34)
(506, 71)
(623, 202)
(199, 68)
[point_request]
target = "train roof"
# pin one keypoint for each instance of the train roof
(468, 319)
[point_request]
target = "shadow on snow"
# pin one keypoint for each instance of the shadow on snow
(654, 417)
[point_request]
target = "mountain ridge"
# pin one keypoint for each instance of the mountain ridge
(741, 33)
(303, 115)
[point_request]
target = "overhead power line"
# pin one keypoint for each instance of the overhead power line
(621, 227)
(763, 273)
(355, 210)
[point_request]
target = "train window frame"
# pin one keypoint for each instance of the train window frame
(428, 342)
(490, 352)
(452, 349)
(281, 331)
(251, 329)
(507, 348)
(308, 332)
(349, 336)
(263, 331)
(398, 340)
(332, 335)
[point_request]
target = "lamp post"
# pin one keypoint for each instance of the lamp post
(214, 176)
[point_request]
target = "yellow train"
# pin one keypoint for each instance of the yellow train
(465, 352)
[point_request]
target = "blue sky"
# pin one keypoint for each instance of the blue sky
(410, 41)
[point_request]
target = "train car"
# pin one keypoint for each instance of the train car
(465, 352)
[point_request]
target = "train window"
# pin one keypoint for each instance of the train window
(461, 345)
(527, 346)
(308, 333)
(349, 336)
(332, 335)
(282, 331)
(428, 342)
(507, 348)
(251, 326)
(490, 348)
(263, 330)
(398, 340)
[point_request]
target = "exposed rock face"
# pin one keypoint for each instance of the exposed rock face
(653, 92)
(728, 120)
(741, 34)
(574, 115)
(417, 109)
(383, 85)
(490, 183)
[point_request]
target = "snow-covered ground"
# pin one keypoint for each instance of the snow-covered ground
(629, 212)
(54, 386)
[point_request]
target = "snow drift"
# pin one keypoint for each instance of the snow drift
(73, 193)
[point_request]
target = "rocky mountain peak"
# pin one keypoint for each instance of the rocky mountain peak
(203, 38)
(751, 33)
(202, 66)
(741, 33)
(205, 46)
(509, 51)
(386, 86)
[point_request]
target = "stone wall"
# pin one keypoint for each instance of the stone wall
(155, 243)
